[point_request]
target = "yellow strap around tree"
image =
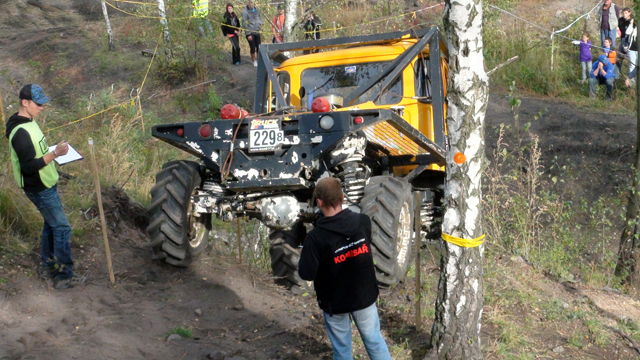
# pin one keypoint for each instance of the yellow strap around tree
(468, 243)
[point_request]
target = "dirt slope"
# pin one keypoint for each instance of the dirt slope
(241, 313)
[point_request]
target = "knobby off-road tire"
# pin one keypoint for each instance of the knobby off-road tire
(388, 202)
(285, 255)
(177, 236)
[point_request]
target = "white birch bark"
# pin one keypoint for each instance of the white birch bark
(106, 20)
(456, 329)
(291, 12)
(166, 37)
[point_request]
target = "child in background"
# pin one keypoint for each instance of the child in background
(611, 55)
(585, 55)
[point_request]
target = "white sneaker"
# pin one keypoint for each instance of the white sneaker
(255, 64)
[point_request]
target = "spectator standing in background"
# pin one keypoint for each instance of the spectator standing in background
(252, 22)
(631, 42)
(623, 23)
(200, 13)
(277, 26)
(609, 15)
(311, 28)
(585, 55)
(231, 29)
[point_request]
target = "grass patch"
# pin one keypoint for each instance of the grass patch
(185, 332)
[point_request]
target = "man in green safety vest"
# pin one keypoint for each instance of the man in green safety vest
(36, 174)
(200, 13)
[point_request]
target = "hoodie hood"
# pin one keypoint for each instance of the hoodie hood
(345, 223)
(14, 121)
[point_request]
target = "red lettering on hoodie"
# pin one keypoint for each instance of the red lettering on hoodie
(351, 253)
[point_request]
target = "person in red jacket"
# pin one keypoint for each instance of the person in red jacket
(337, 257)
(277, 26)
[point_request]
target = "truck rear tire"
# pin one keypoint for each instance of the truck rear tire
(177, 236)
(285, 255)
(388, 202)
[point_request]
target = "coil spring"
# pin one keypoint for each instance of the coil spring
(426, 215)
(354, 178)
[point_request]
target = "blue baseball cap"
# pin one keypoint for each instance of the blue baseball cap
(34, 93)
(603, 58)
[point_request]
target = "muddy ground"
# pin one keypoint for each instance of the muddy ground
(237, 313)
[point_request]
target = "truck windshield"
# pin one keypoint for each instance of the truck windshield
(343, 79)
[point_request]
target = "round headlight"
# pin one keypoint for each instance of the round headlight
(326, 122)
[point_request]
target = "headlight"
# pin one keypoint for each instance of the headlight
(326, 122)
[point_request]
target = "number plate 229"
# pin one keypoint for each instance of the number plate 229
(265, 135)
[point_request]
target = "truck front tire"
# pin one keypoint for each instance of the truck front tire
(177, 236)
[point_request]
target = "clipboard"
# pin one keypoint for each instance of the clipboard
(71, 156)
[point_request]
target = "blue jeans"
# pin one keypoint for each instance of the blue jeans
(367, 322)
(594, 82)
(586, 67)
(56, 249)
(204, 26)
(608, 34)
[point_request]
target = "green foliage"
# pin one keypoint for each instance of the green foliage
(526, 217)
(185, 332)
(215, 100)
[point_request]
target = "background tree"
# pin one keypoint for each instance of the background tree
(166, 37)
(291, 15)
(456, 329)
(106, 20)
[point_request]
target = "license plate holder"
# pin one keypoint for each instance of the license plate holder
(265, 135)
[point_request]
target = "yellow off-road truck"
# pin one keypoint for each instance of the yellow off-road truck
(368, 110)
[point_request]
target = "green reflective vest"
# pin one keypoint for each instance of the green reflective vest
(48, 174)
(200, 8)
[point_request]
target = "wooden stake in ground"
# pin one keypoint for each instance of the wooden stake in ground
(96, 179)
(106, 20)
(239, 242)
(417, 241)
(2, 109)
(553, 39)
(140, 112)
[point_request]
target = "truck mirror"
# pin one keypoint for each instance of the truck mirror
(302, 92)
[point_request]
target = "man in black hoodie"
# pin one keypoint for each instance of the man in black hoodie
(337, 257)
(36, 174)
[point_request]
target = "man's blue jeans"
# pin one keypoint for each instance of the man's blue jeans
(608, 34)
(56, 249)
(600, 80)
(368, 324)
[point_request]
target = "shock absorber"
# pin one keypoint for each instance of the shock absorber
(426, 215)
(354, 176)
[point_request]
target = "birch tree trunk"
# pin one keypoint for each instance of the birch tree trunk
(166, 37)
(291, 13)
(456, 328)
(106, 20)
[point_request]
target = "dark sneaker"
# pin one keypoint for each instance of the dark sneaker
(74, 281)
(47, 273)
